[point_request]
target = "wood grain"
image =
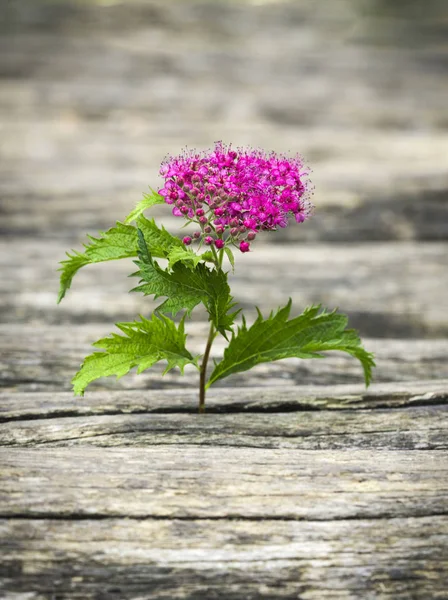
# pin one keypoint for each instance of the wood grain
(331, 275)
(191, 481)
(419, 428)
(298, 483)
(42, 405)
(399, 559)
(45, 358)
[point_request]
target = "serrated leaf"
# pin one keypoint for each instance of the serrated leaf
(276, 337)
(188, 257)
(118, 242)
(148, 200)
(182, 254)
(182, 293)
(186, 287)
(159, 241)
(143, 344)
(220, 303)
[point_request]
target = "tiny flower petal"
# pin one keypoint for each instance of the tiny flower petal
(243, 191)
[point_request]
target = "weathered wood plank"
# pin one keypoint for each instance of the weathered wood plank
(419, 428)
(281, 491)
(215, 482)
(224, 559)
(40, 405)
(384, 287)
(46, 357)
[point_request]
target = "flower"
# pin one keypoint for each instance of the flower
(240, 191)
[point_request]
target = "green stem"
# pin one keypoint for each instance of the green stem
(215, 255)
(203, 370)
(221, 258)
(211, 336)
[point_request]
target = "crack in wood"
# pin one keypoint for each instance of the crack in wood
(325, 403)
(49, 516)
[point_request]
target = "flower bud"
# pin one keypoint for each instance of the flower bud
(219, 211)
(179, 203)
(195, 179)
(194, 192)
(197, 235)
(187, 240)
(203, 220)
(219, 244)
(200, 212)
(183, 209)
(208, 229)
(234, 231)
(233, 222)
(244, 246)
(219, 229)
(242, 229)
(180, 181)
(201, 197)
(251, 235)
(208, 240)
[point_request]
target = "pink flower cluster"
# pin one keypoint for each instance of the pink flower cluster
(234, 194)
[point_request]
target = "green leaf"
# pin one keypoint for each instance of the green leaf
(143, 344)
(159, 241)
(276, 337)
(176, 285)
(182, 254)
(118, 242)
(186, 287)
(230, 257)
(148, 200)
(219, 302)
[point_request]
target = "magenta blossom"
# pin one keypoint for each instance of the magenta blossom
(236, 193)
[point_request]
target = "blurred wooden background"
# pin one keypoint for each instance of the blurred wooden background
(298, 483)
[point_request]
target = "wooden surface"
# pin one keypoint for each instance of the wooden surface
(298, 483)
(308, 492)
